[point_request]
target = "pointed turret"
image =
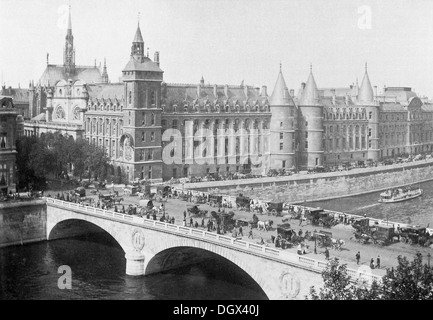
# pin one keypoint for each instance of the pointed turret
(104, 72)
(138, 37)
(310, 94)
(280, 95)
(137, 49)
(365, 94)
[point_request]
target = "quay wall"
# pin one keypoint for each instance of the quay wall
(331, 187)
(22, 222)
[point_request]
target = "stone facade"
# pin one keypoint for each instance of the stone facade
(315, 127)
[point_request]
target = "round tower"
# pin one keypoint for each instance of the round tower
(310, 125)
(282, 127)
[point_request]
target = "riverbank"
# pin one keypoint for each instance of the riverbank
(326, 186)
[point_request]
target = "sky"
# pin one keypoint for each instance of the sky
(229, 41)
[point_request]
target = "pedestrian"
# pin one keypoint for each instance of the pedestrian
(378, 262)
(240, 231)
(372, 263)
(184, 213)
(196, 225)
(327, 254)
(358, 257)
(250, 234)
(365, 215)
(191, 222)
(301, 219)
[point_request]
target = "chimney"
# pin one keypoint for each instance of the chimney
(264, 91)
(347, 99)
(226, 91)
(215, 93)
(156, 58)
(303, 85)
(198, 90)
(333, 96)
(246, 92)
(292, 93)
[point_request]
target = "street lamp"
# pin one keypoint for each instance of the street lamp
(315, 245)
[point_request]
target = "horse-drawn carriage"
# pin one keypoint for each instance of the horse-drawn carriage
(225, 220)
(215, 200)
(243, 203)
(415, 235)
(195, 210)
(319, 217)
(323, 238)
(275, 208)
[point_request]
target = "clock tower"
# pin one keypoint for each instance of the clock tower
(140, 144)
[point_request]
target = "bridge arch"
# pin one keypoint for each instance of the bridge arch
(168, 252)
(77, 226)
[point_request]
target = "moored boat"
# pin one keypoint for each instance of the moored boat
(400, 194)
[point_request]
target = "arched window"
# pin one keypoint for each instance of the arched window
(152, 119)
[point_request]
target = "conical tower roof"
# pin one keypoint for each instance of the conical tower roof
(280, 95)
(365, 94)
(310, 94)
(138, 37)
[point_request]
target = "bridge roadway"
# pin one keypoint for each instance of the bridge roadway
(152, 246)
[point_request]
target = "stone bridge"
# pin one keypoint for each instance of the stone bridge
(153, 246)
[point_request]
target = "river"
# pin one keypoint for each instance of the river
(416, 211)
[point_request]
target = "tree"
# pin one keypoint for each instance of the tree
(408, 281)
(338, 286)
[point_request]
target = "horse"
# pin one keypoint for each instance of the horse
(265, 225)
(337, 243)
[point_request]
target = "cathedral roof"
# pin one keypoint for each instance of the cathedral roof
(280, 95)
(147, 65)
(310, 93)
(365, 94)
(54, 73)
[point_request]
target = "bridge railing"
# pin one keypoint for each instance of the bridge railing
(307, 262)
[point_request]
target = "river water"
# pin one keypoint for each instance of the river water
(98, 265)
(417, 211)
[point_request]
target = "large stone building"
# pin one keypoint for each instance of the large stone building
(11, 125)
(219, 124)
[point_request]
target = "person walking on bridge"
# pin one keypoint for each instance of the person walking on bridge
(358, 257)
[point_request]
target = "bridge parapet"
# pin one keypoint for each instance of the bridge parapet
(275, 254)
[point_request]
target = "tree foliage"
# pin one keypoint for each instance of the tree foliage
(53, 156)
(408, 281)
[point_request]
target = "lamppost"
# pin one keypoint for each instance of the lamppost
(428, 259)
(315, 245)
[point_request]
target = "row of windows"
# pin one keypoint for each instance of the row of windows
(218, 108)
(341, 116)
(216, 123)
